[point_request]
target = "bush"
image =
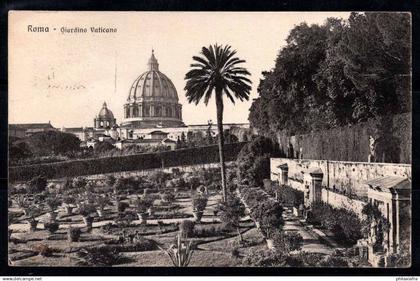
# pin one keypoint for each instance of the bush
(138, 246)
(100, 256)
(231, 211)
(52, 227)
(79, 183)
(253, 160)
(122, 206)
(310, 259)
(269, 214)
(53, 203)
(43, 250)
(199, 203)
(168, 197)
(102, 201)
(333, 261)
(37, 184)
(87, 209)
(289, 196)
(264, 258)
(73, 234)
(69, 200)
(200, 231)
(186, 228)
(345, 224)
(288, 242)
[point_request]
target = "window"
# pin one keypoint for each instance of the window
(158, 111)
(127, 112)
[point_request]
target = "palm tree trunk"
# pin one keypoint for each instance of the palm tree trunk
(219, 109)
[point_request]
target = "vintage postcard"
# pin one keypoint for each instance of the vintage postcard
(209, 139)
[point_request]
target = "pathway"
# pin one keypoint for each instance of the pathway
(311, 241)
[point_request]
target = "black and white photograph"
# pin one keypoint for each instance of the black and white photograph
(209, 139)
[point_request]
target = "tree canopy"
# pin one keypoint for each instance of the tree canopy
(338, 73)
(51, 143)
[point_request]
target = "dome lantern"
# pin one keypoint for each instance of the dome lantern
(153, 63)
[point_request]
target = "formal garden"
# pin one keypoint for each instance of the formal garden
(178, 217)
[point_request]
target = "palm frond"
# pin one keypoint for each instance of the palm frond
(217, 68)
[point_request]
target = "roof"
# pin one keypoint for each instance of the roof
(140, 141)
(32, 126)
(158, 133)
(389, 182)
(105, 113)
(168, 140)
(74, 129)
(315, 171)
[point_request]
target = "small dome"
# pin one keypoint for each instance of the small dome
(105, 113)
(153, 85)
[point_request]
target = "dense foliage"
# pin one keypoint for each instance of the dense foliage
(374, 222)
(230, 213)
(253, 162)
(289, 196)
(345, 224)
(341, 72)
(45, 143)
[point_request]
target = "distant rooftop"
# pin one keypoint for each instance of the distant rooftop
(29, 126)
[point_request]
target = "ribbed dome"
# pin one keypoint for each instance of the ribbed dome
(152, 101)
(152, 85)
(105, 113)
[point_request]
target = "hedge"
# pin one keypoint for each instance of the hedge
(74, 168)
(351, 143)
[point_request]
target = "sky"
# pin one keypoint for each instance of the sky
(65, 78)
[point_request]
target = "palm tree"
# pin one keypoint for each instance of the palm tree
(218, 71)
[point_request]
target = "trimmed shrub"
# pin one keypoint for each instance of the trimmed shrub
(37, 184)
(202, 231)
(73, 234)
(186, 228)
(199, 203)
(87, 209)
(345, 224)
(52, 227)
(122, 206)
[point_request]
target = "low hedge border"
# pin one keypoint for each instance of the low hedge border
(74, 168)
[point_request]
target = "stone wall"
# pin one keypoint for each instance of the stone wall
(341, 201)
(346, 178)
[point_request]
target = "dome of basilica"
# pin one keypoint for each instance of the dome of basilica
(105, 113)
(152, 85)
(152, 100)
